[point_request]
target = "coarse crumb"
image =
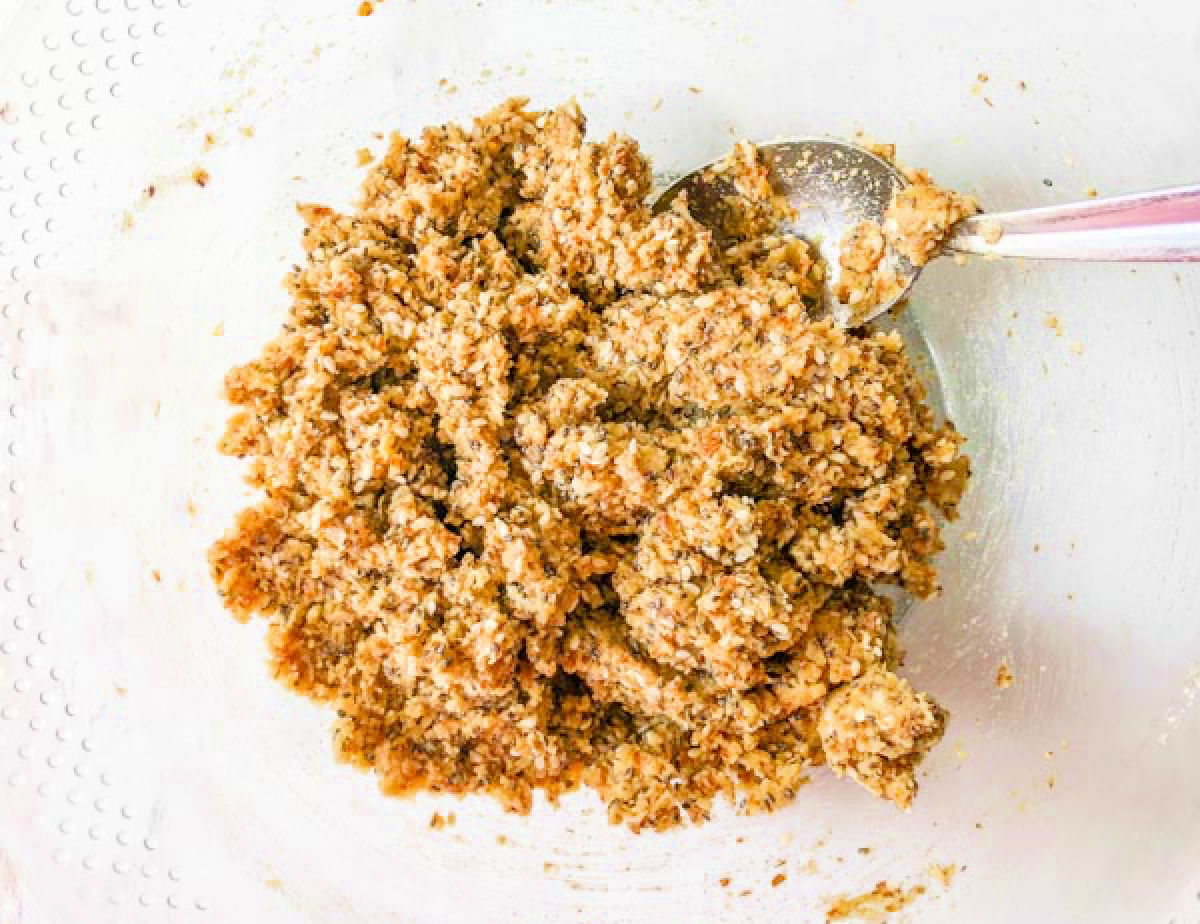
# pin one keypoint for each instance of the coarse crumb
(1004, 676)
(778, 879)
(920, 215)
(363, 156)
(915, 223)
(200, 176)
(560, 492)
(366, 8)
(873, 906)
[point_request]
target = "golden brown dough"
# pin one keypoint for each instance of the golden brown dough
(560, 492)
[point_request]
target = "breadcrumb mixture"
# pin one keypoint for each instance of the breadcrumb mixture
(875, 906)
(916, 221)
(560, 492)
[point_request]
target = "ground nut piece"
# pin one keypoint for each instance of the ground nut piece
(560, 492)
(920, 215)
(866, 278)
(586, 192)
(876, 729)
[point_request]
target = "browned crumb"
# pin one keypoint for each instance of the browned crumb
(210, 140)
(1054, 323)
(876, 729)
(921, 214)
(558, 491)
(501, 840)
(247, 131)
(150, 191)
(866, 278)
(943, 873)
(864, 850)
(437, 821)
(366, 8)
(696, 90)
(548, 867)
(915, 223)
(724, 882)
(1004, 676)
(873, 906)
(1091, 192)
(982, 77)
(1050, 781)
(200, 176)
(363, 156)
(778, 879)
(157, 575)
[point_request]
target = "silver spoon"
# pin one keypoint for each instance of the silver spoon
(833, 185)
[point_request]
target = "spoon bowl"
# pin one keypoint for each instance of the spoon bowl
(831, 186)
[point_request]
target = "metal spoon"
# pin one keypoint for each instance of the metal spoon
(833, 185)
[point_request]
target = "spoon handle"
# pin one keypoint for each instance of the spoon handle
(1158, 226)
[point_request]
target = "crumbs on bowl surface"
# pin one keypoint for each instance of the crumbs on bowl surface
(557, 491)
(875, 906)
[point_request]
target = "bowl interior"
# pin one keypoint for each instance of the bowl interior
(1069, 796)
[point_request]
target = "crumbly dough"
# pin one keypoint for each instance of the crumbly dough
(916, 220)
(560, 492)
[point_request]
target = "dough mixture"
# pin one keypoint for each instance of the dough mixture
(560, 492)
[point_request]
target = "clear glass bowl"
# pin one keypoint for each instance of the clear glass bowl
(149, 767)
